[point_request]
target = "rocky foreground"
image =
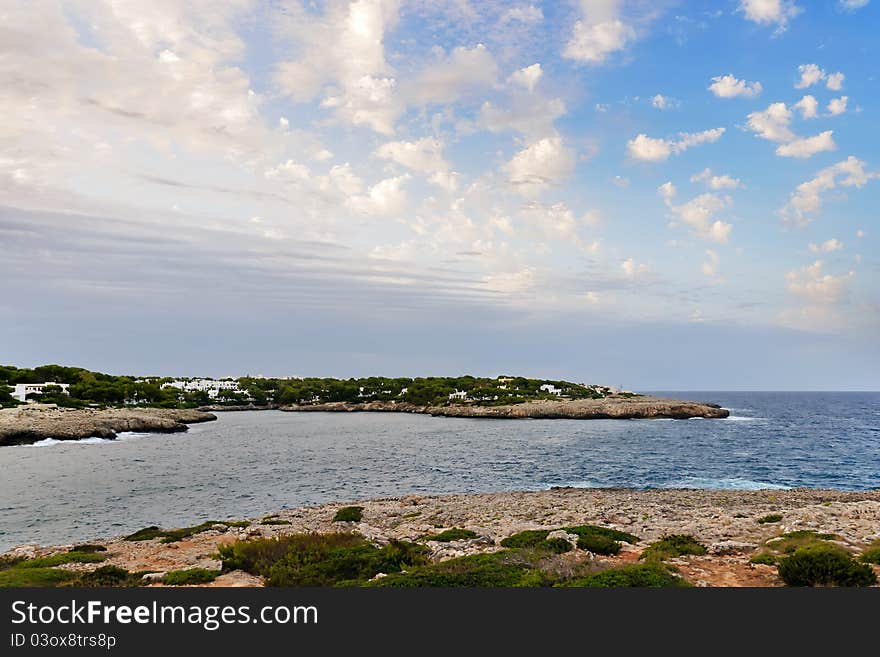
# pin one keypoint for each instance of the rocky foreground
(34, 422)
(613, 407)
(733, 525)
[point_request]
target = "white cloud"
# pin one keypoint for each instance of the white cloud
(727, 86)
(424, 155)
(816, 286)
(649, 149)
(556, 222)
(837, 105)
(835, 81)
(772, 123)
(662, 102)
(450, 77)
(699, 213)
(828, 246)
(860, 233)
(808, 106)
(632, 269)
(527, 77)
(769, 12)
(723, 181)
(539, 165)
(289, 171)
(529, 114)
(525, 14)
(808, 146)
(712, 263)
(806, 200)
(810, 75)
(387, 197)
(852, 5)
(594, 43)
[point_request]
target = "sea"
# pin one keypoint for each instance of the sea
(251, 463)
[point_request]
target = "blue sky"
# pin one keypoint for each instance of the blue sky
(655, 194)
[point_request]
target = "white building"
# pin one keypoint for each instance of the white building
(22, 390)
(211, 386)
(458, 394)
(553, 390)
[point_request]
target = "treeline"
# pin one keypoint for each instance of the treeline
(95, 388)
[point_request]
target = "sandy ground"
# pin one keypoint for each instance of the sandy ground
(724, 521)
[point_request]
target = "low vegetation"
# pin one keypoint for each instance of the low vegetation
(788, 543)
(73, 556)
(823, 564)
(537, 540)
(872, 554)
(189, 576)
(450, 535)
(174, 535)
(646, 575)
(770, 518)
(765, 558)
(507, 568)
(349, 514)
(319, 559)
(674, 545)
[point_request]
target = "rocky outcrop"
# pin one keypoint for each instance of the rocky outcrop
(31, 423)
(223, 408)
(613, 407)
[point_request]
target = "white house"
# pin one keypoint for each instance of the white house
(553, 390)
(211, 386)
(22, 390)
(458, 394)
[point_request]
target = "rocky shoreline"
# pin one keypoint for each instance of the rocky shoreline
(733, 525)
(614, 407)
(29, 424)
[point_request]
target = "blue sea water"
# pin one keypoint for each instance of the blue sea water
(247, 464)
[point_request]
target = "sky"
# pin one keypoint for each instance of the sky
(659, 195)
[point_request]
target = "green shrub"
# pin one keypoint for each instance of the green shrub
(674, 545)
(18, 577)
(526, 539)
(764, 558)
(595, 530)
(319, 559)
(9, 562)
(189, 576)
(598, 544)
(88, 547)
(109, 576)
(174, 535)
(788, 543)
(871, 555)
(498, 569)
(769, 518)
(822, 564)
(652, 575)
(274, 521)
(455, 534)
(556, 545)
(62, 558)
(349, 514)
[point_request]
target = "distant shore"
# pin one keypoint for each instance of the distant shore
(734, 526)
(34, 422)
(612, 407)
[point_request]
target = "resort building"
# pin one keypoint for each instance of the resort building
(211, 386)
(553, 390)
(22, 390)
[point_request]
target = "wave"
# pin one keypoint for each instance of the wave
(722, 483)
(742, 418)
(91, 440)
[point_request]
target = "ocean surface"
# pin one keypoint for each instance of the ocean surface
(252, 463)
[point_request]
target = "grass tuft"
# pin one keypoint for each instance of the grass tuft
(454, 534)
(769, 518)
(822, 564)
(349, 514)
(674, 545)
(189, 576)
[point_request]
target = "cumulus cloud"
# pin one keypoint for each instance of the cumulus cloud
(808, 106)
(452, 76)
(724, 181)
(806, 200)
(770, 12)
(600, 32)
(852, 5)
(423, 155)
(556, 222)
(728, 86)
(649, 149)
(813, 284)
(811, 74)
(772, 124)
(662, 102)
(828, 246)
(539, 165)
(385, 198)
(699, 213)
(837, 105)
(527, 77)
(808, 146)
(632, 269)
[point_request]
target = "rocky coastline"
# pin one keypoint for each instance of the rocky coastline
(733, 525)
(613, 407)
(29, 424)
